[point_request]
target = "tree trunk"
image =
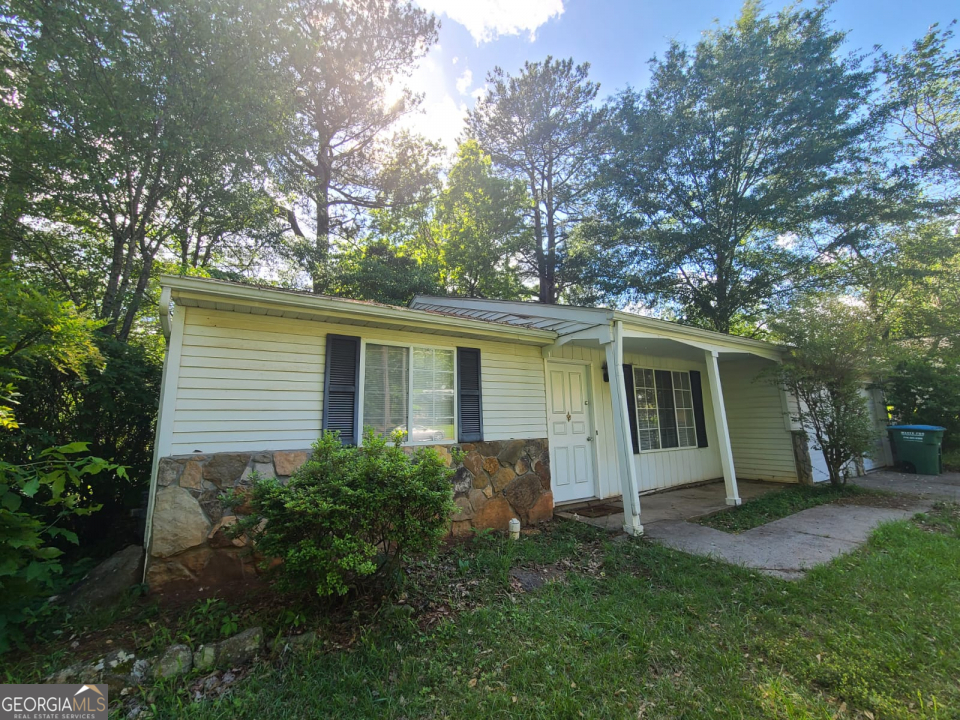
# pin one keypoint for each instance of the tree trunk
(551, 258)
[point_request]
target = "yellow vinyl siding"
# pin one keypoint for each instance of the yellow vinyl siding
(762, 444)
(252, 382)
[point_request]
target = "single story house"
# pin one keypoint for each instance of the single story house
(551, 404)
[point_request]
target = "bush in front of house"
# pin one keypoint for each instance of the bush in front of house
(350, 516)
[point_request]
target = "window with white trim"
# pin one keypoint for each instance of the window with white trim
(410, 389)
(665, 416)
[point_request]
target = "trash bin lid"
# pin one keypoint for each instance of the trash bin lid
(928, 428)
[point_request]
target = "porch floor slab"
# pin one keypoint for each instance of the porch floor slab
(684, 503)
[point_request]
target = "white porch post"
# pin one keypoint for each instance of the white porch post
(621, 424)
(723, 432)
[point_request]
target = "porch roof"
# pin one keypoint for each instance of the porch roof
(572, 323)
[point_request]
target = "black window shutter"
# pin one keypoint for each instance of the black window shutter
(341, 387)
(698, 418)
(469, 396)
(631, 406)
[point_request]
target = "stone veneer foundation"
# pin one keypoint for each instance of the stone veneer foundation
(497, 481)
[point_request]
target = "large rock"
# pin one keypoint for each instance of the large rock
(491, 465)
(108, 580)
(177, 660)
(212, 505)
(503, 478)
(221, 537)
(240, 648)
(168, 472)
(495, 514)
(542, 469)
(511, 452)
(542, 509)
(192, 475)
(464, 509)
(473, 462)
(263, 471)
(178, 522)
(287, 462)
(224, 469)
(462, 480)
(523, 492)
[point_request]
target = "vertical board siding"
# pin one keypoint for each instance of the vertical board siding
(252, 382)
(762, 444)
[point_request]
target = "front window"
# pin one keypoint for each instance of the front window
(410, 389)
(664, 402)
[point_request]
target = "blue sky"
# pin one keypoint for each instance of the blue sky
(617, 37)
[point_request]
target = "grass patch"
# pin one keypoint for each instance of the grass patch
(651, 633)
(781, 503)
(633, 630)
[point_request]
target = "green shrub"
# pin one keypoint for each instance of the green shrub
(350, 515)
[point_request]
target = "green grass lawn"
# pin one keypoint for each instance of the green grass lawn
(781, 503)
(635, 630)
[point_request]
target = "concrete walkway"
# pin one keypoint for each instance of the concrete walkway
(784, 548)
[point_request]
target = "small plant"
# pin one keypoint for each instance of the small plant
(209, 619)
(349, 517)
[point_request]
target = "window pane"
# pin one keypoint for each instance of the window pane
(686, 423)
(645, 397)
(433, 395)
(666, 407)
(385, 385)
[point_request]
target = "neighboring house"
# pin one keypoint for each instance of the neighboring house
(551, 404)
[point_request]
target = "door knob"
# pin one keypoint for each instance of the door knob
(589, 439)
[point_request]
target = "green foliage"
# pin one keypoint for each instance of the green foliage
(832, 357)
(112, 410)
(34, 498)
(128, 114)
(480, 219)
(923, 86)
(349, 517)
(742, 171)
(42, 327)
(382, 272)
(343, 154)
(925, 390)
(542, 128)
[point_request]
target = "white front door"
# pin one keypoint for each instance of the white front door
(571, 433)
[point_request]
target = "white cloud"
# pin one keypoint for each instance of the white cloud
(464, 82)
(441, 116)
(486, 20)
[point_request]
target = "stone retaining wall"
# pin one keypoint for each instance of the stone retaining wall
(497, 481)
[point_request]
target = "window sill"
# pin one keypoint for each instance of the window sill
(664, 450)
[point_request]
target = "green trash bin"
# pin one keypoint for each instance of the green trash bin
(916, 448)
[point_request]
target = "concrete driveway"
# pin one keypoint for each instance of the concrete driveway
(936, 487)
